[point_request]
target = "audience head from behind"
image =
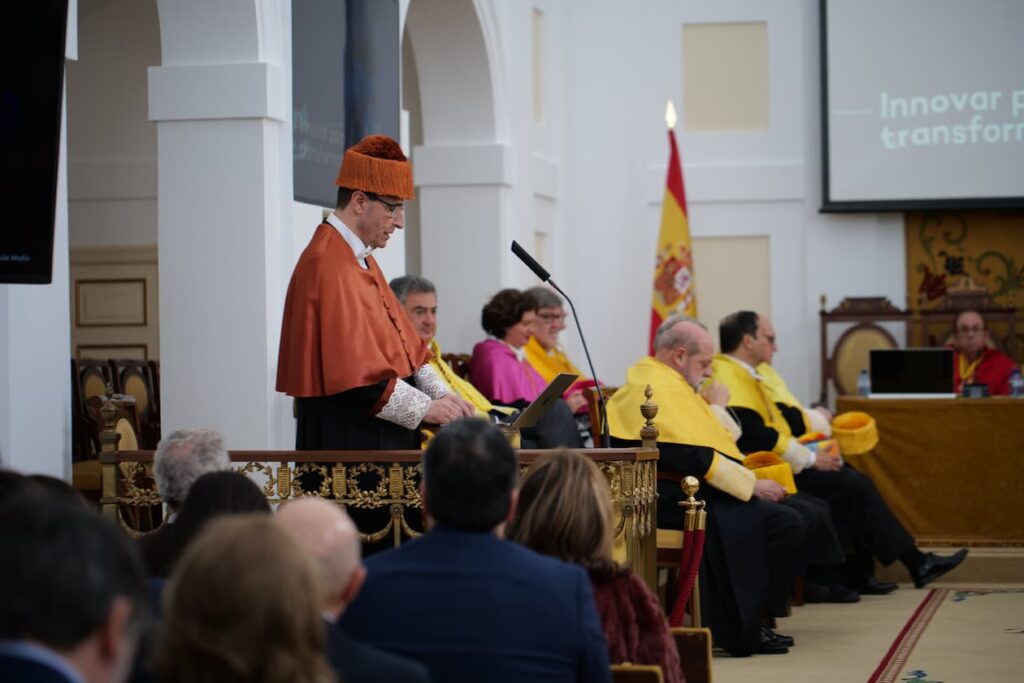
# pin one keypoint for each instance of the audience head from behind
(565, 511)
(184, 456)
(509, 316)
(550, 320)
(418, 297)
(213, 495)
(327, 534)
(72, 592)
(469, 478)
(243, 606)
(684, 345)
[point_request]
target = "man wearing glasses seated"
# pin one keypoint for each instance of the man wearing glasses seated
(974, 360)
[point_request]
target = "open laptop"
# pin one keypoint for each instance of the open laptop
(540, 405)
(912, 373)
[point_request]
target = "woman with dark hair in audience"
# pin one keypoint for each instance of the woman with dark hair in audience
(212, 495)
(565, 510)
(500, 371)
(243, 606)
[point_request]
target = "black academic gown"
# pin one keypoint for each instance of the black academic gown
(860, 516)
(750, 549)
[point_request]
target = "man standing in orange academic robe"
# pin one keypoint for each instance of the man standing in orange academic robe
(348, 352)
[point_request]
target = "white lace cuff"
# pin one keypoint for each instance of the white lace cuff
(429, 382)
(406, 407)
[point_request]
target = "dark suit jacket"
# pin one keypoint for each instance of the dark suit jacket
(473, 607)
(158, 548)
(13, 668)
(361, 663)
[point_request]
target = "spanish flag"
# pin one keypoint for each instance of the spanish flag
(673, 290)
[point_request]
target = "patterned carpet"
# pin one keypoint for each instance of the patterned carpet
(959, 634)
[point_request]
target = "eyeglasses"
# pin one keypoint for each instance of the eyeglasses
(391, 208)
(552, 317)
(968, 330)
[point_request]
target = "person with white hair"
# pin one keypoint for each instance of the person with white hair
(181, 458)
(323, 530)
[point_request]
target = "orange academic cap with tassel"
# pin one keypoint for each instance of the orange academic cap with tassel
(376, 164)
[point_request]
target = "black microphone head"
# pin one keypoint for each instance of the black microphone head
(537, 269)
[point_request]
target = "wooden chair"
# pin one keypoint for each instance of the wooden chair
(636, 673)
(594, 410)
(459, 363)
(135, 378)
(842, 362)
(89, 378)
(694, 646)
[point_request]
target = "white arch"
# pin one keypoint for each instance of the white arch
(463, 166)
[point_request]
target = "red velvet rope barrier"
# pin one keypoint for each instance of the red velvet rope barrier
(689, 564)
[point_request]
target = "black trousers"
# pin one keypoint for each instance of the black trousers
(751, 554)
(861, 516)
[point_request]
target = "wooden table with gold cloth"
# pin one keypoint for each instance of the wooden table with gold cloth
(952, 470)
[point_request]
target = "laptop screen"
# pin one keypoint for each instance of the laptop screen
(912, 371)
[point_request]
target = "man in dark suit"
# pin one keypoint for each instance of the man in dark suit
(71, 594)
(328, 535)
(463, 601)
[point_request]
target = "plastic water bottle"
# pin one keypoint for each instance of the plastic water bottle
(1016, 385)
(864, 384)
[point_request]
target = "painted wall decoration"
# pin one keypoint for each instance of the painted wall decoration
(979, 252)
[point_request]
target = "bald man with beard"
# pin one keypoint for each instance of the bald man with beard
(324, 531)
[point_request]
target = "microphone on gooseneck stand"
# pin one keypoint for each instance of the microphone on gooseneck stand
(545, 276)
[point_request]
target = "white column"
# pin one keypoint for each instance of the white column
(464, 194)
(225, 203)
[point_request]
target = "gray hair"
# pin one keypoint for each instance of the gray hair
(184, 456)
(411, 284)
(544, 297)
(666, 338)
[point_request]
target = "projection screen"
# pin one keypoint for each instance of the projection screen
(922, 104)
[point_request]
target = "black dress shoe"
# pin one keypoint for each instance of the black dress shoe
(769, 644)
(875, 587)
(935, 566)
(836, 592)
(780, 638)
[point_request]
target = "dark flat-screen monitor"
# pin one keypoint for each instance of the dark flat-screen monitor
(345, 86)
(912, 373)
(32, 40)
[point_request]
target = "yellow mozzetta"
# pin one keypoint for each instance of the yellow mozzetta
(683, 418)
(460, 386)
(549, 363)
(779, 392)
(746, 392)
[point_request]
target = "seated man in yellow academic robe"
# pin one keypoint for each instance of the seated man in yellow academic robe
(418, 297)
(753, 542)
(865, 523)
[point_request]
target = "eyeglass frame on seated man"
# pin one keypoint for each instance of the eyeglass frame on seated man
(391, 207)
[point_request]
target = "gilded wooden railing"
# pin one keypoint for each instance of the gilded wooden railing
(389, 480)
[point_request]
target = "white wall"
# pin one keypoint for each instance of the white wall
(625, 61)
(111, 141)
